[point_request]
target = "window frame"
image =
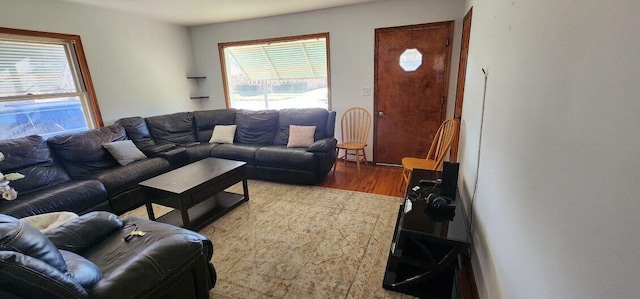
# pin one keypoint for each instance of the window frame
(223, 66)
(94, 119)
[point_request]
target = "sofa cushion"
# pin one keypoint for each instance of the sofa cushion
(123, 178)
(205, 121)
(280, 156)
(31, 157)
(137, 131)
(125, 152)
(153, 151)
(323, 145)
(160, 255)
(83, 271)
(27, 277)
(223, 134)
(81, 233)
(199, 151)
(317, 117)
(82, 153)
(238, 152)
(256, 127)
(172, 128)
(301, 136)
(74, 196)
(21, 237)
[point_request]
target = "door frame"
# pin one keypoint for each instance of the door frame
(450, 26)
(462, 73)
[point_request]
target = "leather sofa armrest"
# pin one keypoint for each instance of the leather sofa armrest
(153, 151)
(148, 265)
(177, 157)
(323, 145)
(80, 233)
(24, 276)
(189, 144)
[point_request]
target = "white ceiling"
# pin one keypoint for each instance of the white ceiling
(197, 12)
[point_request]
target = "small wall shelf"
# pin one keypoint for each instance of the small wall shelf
(197, 78)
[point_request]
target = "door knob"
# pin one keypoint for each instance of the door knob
(381, 113)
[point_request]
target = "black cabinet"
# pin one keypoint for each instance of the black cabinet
(427, 244)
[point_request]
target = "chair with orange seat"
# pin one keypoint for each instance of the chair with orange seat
(439, 147)
(355, 125)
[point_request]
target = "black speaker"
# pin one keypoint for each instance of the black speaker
(449, 179)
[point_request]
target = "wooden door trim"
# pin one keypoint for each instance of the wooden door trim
(462, 71)
(447, 24)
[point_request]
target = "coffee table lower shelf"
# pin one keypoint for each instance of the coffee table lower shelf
(205, 212)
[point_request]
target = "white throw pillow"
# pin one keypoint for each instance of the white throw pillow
(301, 136)
(48, 221)
(124, 151)
(223, 134)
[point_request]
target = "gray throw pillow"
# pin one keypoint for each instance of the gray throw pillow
(124, 151)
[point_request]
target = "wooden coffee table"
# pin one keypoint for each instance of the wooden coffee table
(196, 192)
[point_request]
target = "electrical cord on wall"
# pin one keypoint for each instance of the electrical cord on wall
(475, 185)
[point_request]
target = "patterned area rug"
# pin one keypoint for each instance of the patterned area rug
(292, 241)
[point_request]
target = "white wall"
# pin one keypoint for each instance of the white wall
(556, 212)
(351, 34)
(138, 65)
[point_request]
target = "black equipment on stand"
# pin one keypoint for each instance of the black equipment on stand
(428, 238)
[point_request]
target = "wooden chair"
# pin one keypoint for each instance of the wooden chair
(355, 125)
(439, 146)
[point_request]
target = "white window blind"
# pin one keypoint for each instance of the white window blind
(278, 74)
(299, 60)
(32, 68)
(41, 89)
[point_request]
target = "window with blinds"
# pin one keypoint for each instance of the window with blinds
(291, 72)
(42, 90)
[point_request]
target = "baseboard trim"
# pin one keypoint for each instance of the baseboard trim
(370, 163)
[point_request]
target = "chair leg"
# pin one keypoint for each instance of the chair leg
(404, 179)
(346, 153)
(335, 163)
(364, 153)
(358, 161)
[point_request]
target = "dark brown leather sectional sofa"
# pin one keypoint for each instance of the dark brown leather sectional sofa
(75, 173)
(88, 257)
(260, 140)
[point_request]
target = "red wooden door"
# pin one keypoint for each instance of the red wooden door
(411, 82)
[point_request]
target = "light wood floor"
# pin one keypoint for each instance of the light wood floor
(383, 180)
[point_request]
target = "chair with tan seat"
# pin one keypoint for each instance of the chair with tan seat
(355, 125)
(439, 147)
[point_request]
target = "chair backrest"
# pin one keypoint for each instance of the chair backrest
(442, 141)
(355, 125)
